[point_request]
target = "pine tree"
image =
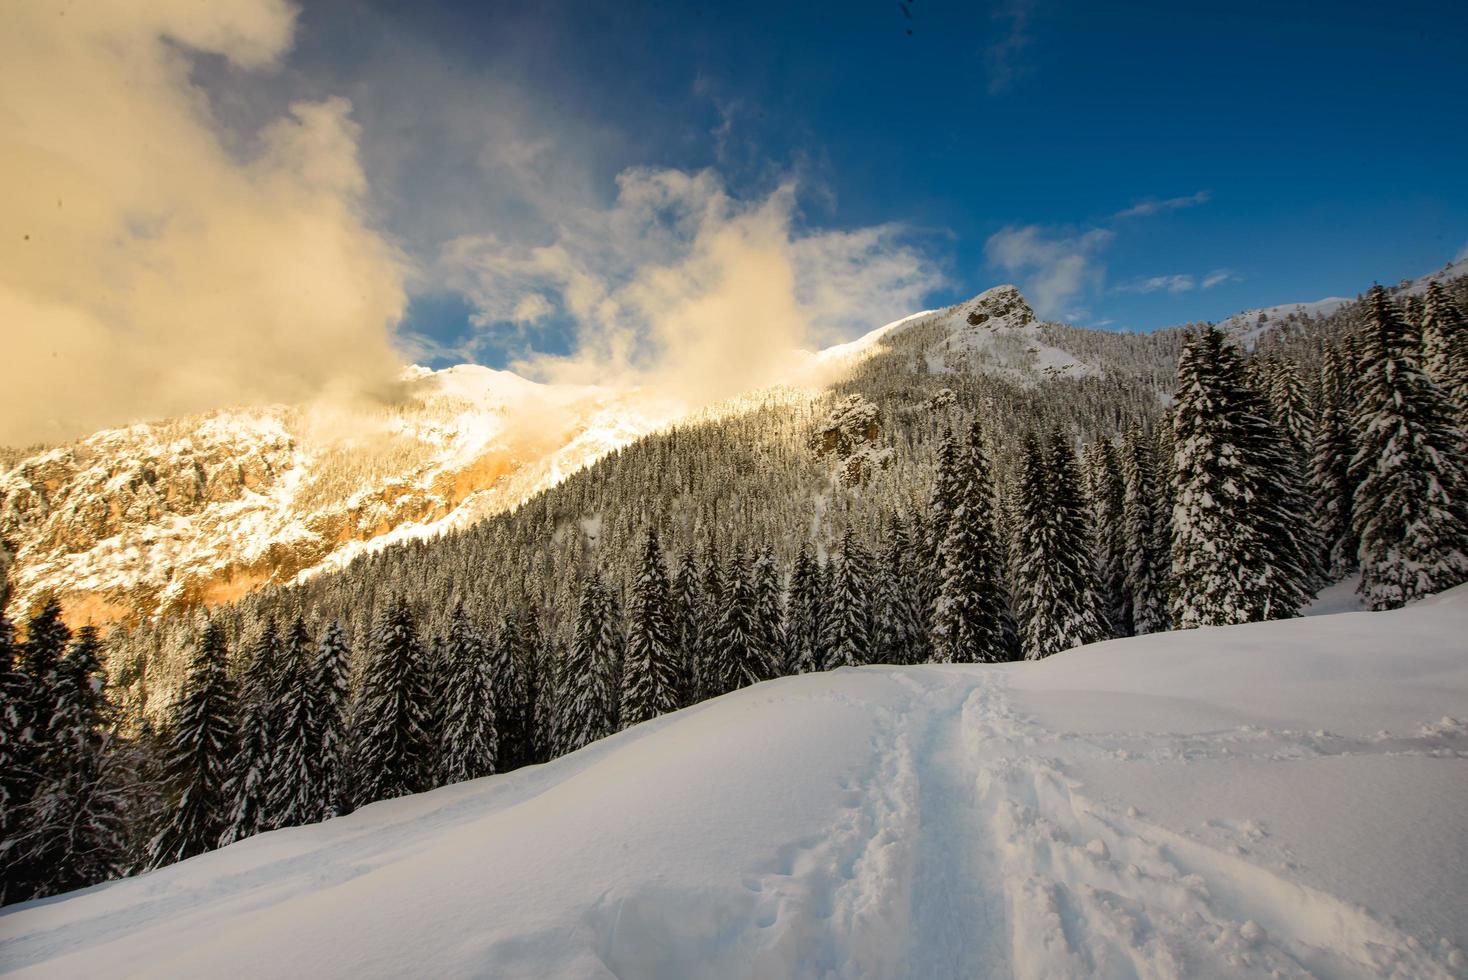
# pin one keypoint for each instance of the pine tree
(948, 487)
(1238, 530)
(75, 832)
(709, 675)
(651, 678)
(295, 772)
(469, 745)
(971, 620)
(1107, 498)
(900, 632)
(18, 775)
(588, 686)
(1445, 349)
(1290, 408)
(433, 670)
(1055, 567)
(767, 609)
(46, 641)
(202, 740)
(330, 687)
(1331, 482)
(391, 753)
(1146, 569)
(685, 608)
(847, 639)
(803, 615)
(253, 765)
(741, 656)
(510, 687)
(1410, 507)
(536, 671)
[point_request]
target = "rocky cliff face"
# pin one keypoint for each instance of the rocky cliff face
(137, 520)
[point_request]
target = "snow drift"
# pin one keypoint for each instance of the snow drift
(1277, 799)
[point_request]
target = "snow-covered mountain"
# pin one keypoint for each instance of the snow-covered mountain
(1281, 799)
(1250, 325)
(135, 520)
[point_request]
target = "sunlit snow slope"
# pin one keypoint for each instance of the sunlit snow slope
(1281, 799)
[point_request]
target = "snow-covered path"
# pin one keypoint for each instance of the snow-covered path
(1285, 799)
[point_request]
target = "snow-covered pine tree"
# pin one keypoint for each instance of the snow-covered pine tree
(17, 769)
(651, 674)
(685, 607)
(1239, 534)
(201, 748)
(295, 772)
(1445, 348)
(1055, 567)
(46, 641)
(390, 753)
(901, 634)
(1290, 407)
(948, 485)
(1330, 470)
(710, 657)
(803, 614)
(75, 832)
(330, 687)
(848, 639)
(1146, 568)
(513, 712)
(434, 667)
(741, 657)
(768, 613)
(536, 670)
(545, 651)
(252, 768)
(469, 744)
(1410, 507)
(1107, 494)
(971, 619)
(587, 695)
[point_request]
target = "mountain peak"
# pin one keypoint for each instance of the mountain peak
(1000, 306)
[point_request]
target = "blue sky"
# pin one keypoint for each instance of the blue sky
(1131, 165)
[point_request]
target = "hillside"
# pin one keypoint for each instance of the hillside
(1278, 799)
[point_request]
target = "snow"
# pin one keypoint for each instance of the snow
(1273, 799)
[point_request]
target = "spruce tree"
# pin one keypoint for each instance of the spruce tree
(588, 687)
(391, 753)
(741, 655)
(1445, 349)
(330, 688)
(513, 712)
(433, 669)
(803, 614)
(1055, 566)
(652, 675)
(1410, 507)
(253, 765)
(900, 630)
(75, 831)
(1239, 534)
(768, 613)
(685, 609)
(1144, 533)
(1331, 483)
(46, 641)
(295, 771)
(201, 747)
(469, 745)
(18, 774)
(709, 674)
(847, 639)
(1107, 499)
(971, 619)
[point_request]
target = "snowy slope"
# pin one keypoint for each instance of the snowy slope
(1280, 799)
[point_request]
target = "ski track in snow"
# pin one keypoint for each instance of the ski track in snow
(895, 822)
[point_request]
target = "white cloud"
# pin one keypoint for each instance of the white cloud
(678, 284)
(1218, 277)
(152, 271)
(1178, 283)
(1153, 206)
(1056, 268)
